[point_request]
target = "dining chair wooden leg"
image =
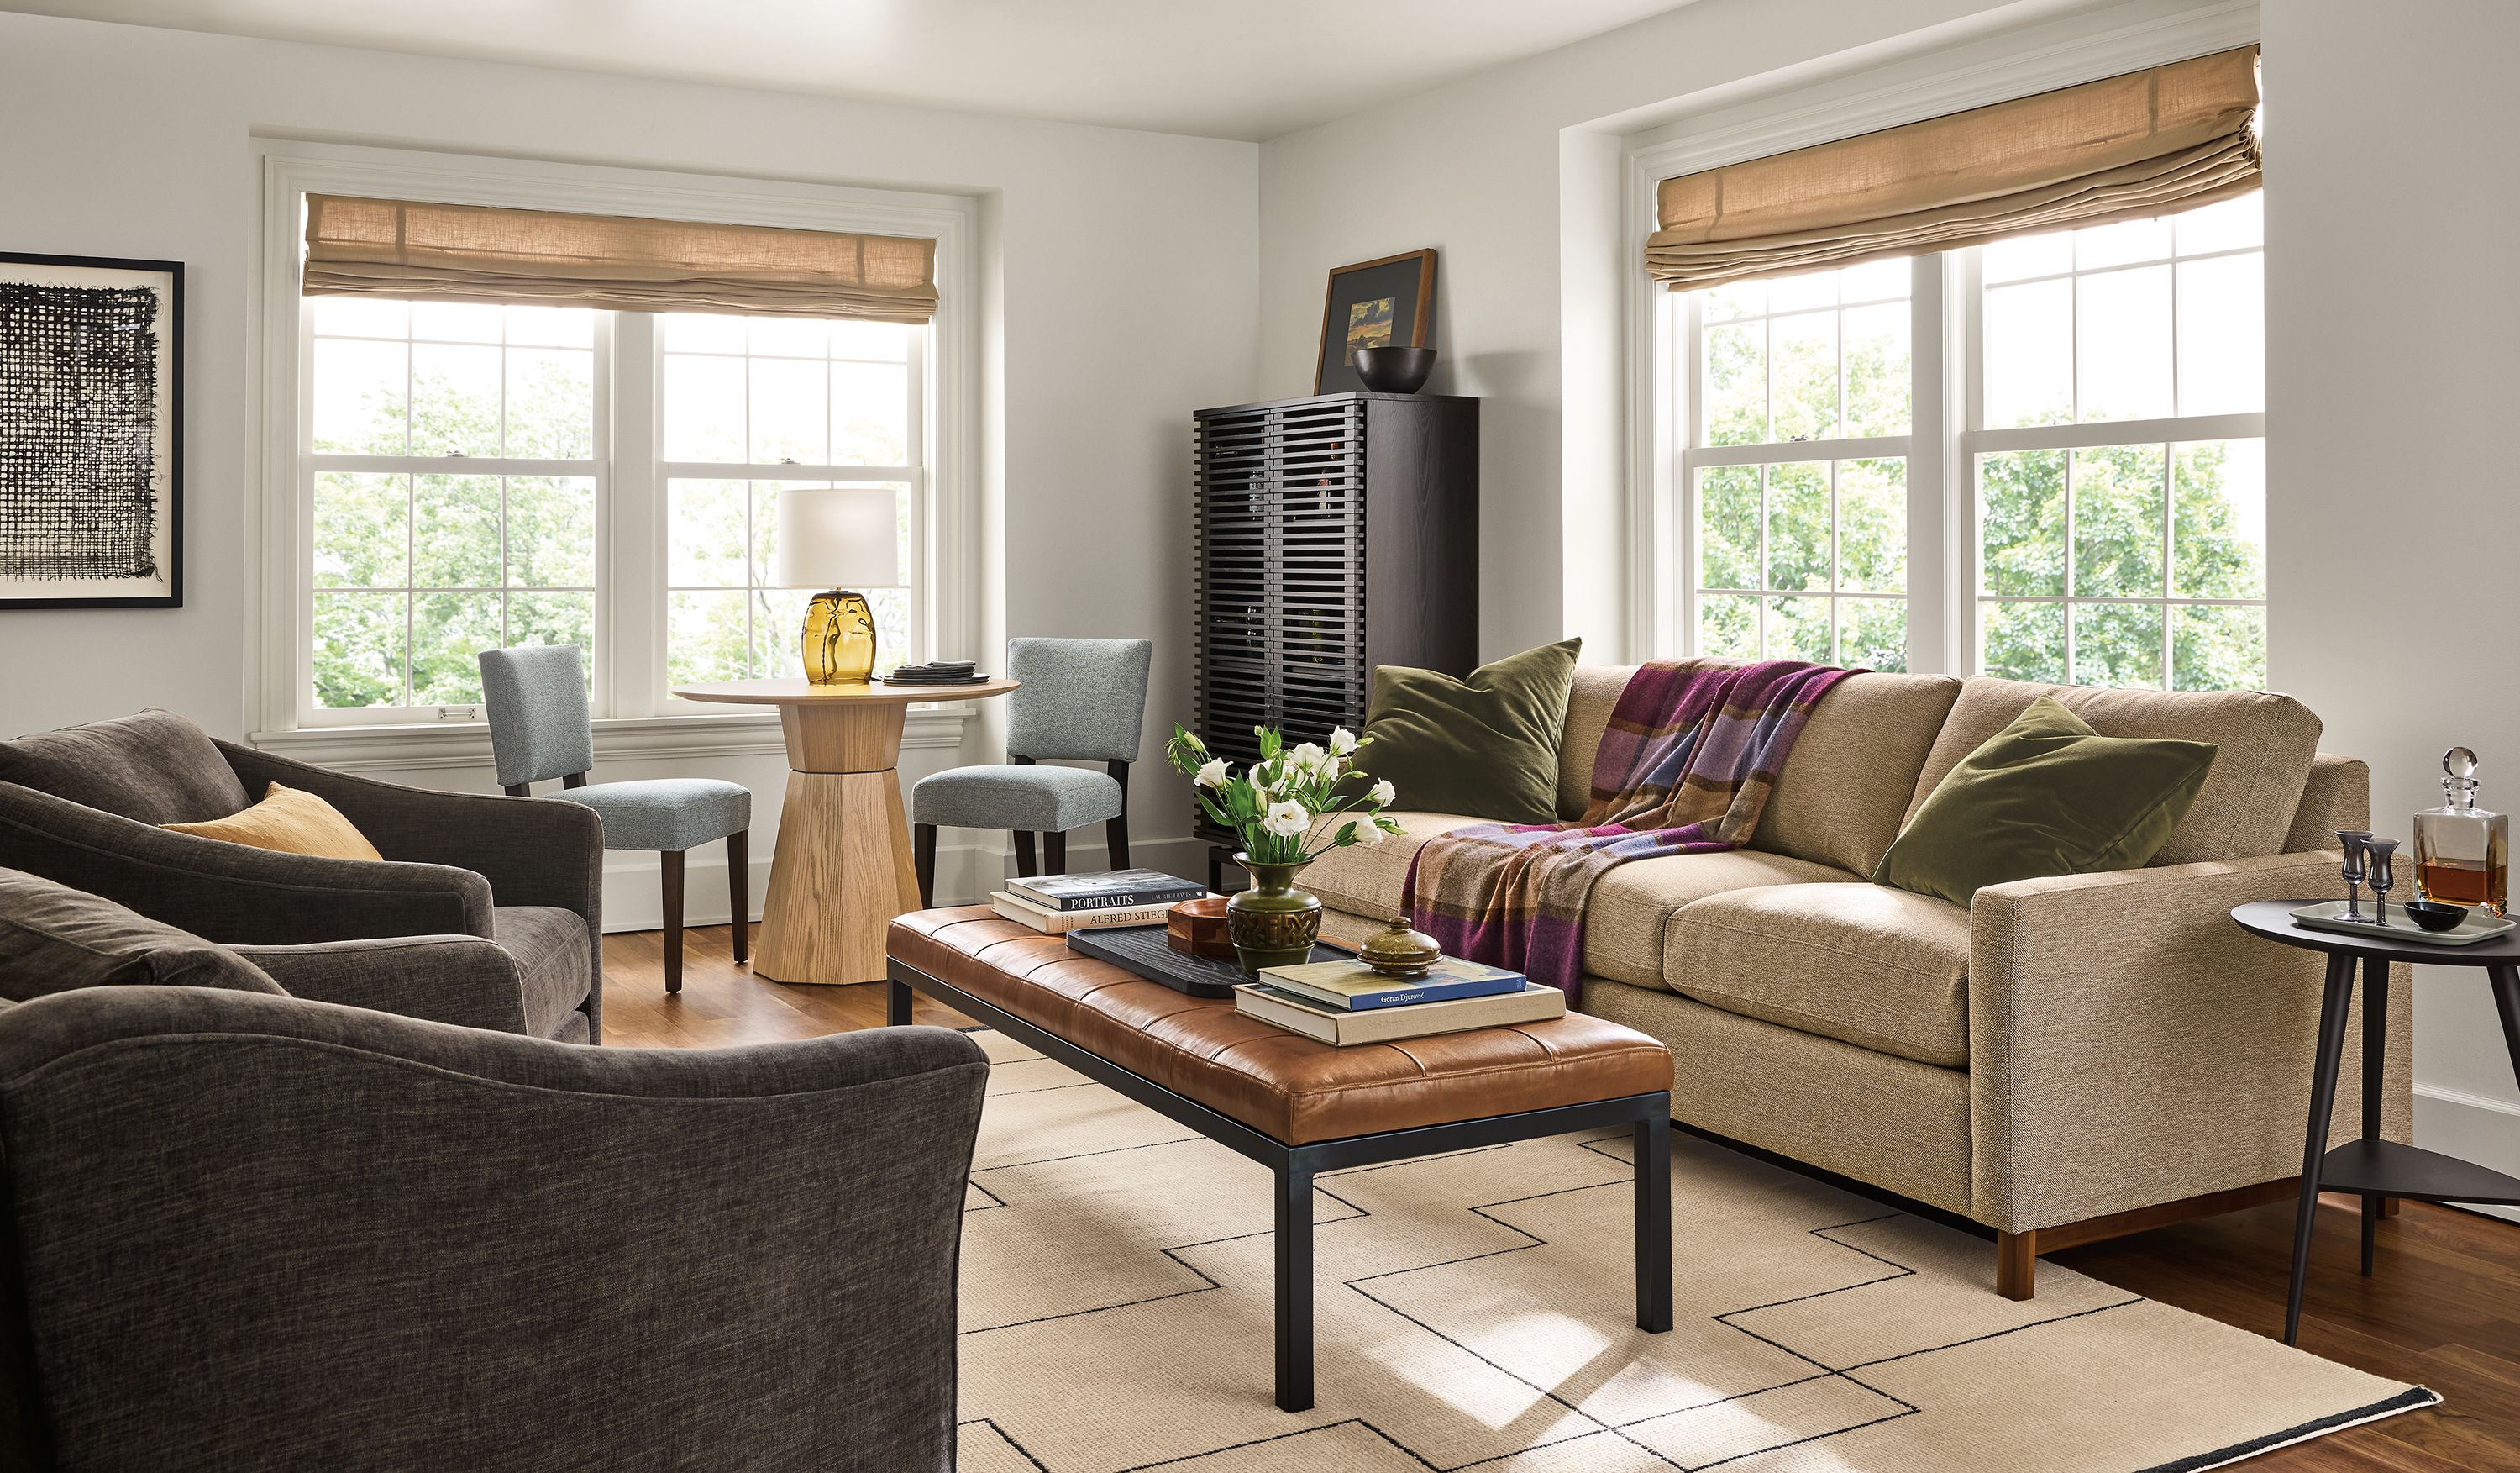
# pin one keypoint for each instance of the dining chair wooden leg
(738, 897)
(922, 856)
(1053, 853)
(1024, 866)
(670, 863)
(1116, 840)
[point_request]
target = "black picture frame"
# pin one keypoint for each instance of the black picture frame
(160, 474)
(1391, 300)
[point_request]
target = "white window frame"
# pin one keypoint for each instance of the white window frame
(1658, 354)
(636, 718)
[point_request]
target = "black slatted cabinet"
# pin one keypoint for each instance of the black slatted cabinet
(1333, 533)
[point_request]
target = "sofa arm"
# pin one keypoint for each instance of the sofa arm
(461, 979)
(2129, 1045)
(533, 852)
(231, 892)
(301, 1236)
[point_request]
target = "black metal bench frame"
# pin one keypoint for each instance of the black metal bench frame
(1295, 1165)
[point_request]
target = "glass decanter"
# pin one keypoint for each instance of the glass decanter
(2462, 852)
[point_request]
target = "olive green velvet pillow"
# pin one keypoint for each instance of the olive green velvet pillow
(1486, 745)
(2045, 795)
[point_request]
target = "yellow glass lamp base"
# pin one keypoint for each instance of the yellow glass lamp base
(839, 639)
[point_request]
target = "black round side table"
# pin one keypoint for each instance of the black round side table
(2377, 1169)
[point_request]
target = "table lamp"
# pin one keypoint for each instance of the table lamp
(831, 539)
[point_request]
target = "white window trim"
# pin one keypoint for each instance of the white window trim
(1825, 111)
(278, 637)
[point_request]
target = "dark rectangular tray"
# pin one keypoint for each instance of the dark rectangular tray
(1142, 950)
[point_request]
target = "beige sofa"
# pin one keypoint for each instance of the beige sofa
(2064, 1060)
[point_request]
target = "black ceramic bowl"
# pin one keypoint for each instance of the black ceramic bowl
(1395, 370)
(2433, 915)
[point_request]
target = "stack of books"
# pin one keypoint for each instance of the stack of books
(1349, 1002)
(1055, 904)
(936, 672)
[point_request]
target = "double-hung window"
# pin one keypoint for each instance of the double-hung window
(601, 467)
(2104, 439)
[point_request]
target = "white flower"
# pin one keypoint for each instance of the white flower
(1308, 756)
(1211, 775)
(1381, 795)
(1367, 833)
(1286, 818)
(1342, 741)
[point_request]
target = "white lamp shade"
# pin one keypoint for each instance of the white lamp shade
(838, 537)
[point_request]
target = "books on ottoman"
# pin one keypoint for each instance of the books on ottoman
(1352, 987)
(1296, 1013)
(1106, 889)
(1049, 922)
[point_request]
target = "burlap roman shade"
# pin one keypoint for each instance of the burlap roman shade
(2122, 148)
(465, 253)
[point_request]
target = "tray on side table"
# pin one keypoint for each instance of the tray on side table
(1142, 949)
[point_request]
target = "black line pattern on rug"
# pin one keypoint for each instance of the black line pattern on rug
(1596, 1426)
(1006, 1438)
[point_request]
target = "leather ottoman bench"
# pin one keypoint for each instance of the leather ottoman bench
(1297, 1106)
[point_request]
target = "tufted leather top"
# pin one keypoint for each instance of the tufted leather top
(1281, 1083)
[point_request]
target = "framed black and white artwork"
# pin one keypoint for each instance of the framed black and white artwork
(91, 432)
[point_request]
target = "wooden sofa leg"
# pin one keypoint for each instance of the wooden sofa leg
(2016, 1264)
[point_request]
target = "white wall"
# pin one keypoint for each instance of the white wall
(1119, 278)
(2393, 311)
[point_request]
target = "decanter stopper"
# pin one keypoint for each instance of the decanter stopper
(2460, 783)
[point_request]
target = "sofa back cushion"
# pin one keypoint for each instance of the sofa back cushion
(154, 766)
(1846, 785)
(53, 938)
(2266, 744)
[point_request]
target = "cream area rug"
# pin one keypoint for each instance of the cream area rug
(1475, 1310)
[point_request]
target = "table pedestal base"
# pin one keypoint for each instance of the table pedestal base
(840, 874)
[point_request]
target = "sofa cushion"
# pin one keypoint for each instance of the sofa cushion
(1366, 879)
(1630, 908)
(2265, 744)
(554, 966)
(289, 821)
(1486, 745)
(1845, 786)
(1868, 965)
(154, 766)
(1630, 915)
(2047, 795)
(53, 938)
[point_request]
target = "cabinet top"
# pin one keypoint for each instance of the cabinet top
(1335, 398)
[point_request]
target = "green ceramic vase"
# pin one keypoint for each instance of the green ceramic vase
(1272, 924)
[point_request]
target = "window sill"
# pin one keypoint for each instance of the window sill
(467, 744)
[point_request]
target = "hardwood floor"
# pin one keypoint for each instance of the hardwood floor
(2441, 1310)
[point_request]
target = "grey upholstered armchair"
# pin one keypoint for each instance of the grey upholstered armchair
(251, 1232)
(487, 910)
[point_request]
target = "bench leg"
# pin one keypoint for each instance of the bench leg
(896, 1004)
(1654, 1220)
(2016, 1264)
(1295, 1288)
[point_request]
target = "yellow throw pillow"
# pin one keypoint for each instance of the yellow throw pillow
(290, 821)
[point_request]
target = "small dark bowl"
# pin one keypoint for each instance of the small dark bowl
(1395, 370)
(2433, 915)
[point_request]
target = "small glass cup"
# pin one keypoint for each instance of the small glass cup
(2383, 875)
(2353, 840)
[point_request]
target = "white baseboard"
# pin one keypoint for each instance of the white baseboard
(2473, 1127)
(966, 873)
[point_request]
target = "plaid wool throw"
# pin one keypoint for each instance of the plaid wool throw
(1684, 767)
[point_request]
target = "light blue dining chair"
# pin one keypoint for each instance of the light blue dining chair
(1079, 699)
(540, 729)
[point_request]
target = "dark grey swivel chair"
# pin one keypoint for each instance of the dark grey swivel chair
(487, 910)
(540, 729)
(1080, 698)
(255, 1234)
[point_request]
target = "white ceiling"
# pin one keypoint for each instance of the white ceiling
(1227, 68)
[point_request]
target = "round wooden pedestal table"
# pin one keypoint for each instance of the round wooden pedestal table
(842, 871)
